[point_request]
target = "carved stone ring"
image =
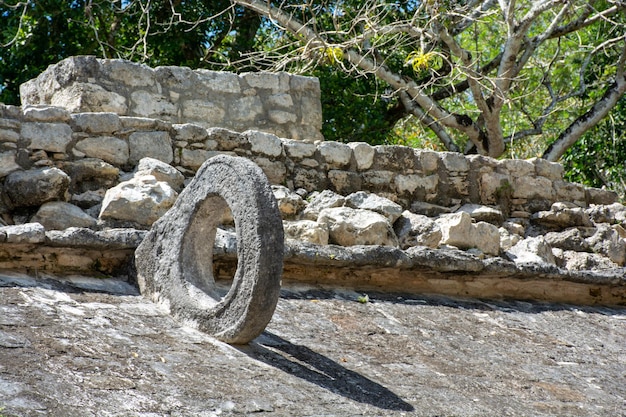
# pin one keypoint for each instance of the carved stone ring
(174, 263)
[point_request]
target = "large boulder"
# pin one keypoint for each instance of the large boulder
(141, 200)
(36, 186)
(349, 227)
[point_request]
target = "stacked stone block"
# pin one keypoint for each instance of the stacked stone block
(279, 103)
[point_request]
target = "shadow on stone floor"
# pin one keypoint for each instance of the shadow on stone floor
(304, 363)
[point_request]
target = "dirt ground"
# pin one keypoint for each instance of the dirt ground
(96, 348)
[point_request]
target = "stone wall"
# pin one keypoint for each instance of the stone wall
(108, 145)
(79, 188)
(280, 103)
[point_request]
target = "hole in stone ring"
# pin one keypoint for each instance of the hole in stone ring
(212, 217)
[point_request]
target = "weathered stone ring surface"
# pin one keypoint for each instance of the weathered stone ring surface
(174, 263)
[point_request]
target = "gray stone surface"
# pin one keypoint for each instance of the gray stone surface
(175, 261)
(142, 199)
(59, 215)
(87, 347)
(36, 186)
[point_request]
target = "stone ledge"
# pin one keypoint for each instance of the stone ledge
(416, 270)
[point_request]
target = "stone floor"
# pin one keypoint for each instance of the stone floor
(90, 347)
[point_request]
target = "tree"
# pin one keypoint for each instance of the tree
(478, 74)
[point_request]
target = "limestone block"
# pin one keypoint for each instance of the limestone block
(219, 81)
(344, 182)
(245, 109)
(508, 239)
(23, 233)
(349, 227)
(8, 135)
(335, 154)
(309, 179)
(190, 132)
(599, 196)
(277, 82)
(298, 149)
(455, 162)
(531, 249)
(84, 97)
(320, 201)
(611, 213)
(562, 216)
(36, 186)
(275, 171)
(204, 112)
(551, 170)
(378, 179)
(532, 187)
(519, 168)
(46, 114)
(289, 203)
(429, 160)
(457, 230)
(486, 238)
(311, 109)
(156, 145)
(128, 73)
(91, 170)
(51, 137)
(264, 143)
(175, 78)
(583, 261)
(363, 154)
(608, 242)
(408, 183)
(162, 172)
(97, 122)
(567, 191)
(108, 148)
(395, 158)
(280, 100)
(194, 158)
(141, 199)
(8, 163)
(282, 117)
(429, 209)
(368, 201)
(147, 104)
(88, 199)
(58, 215)
(483, 213)
(493, 186)
(416, 230)
(306, 230)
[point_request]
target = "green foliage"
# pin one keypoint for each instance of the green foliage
(355, 109)
(598, 159)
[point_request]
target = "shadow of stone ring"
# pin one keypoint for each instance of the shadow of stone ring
(174, 263)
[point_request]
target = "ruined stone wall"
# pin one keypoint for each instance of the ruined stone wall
(34, 137)
(279, 103)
